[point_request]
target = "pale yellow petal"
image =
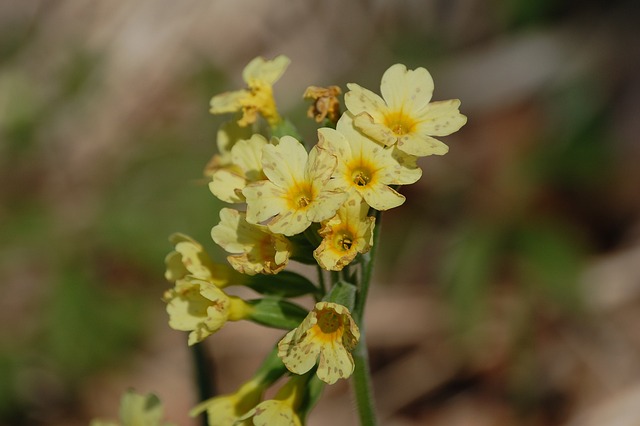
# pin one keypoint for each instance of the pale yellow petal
(289, 222)
(406, 90)
(284, 164)
(374, 129)
(264, 200)
(267, 71)
(275, 413)
(359, 100)
(186, 307)
(441, 118)
(382, 197)
(298, 357)
(247, 155)
(320, 165)
(326, 204)
(227, 184)
(334, 141)
(421, 145)
(228, 102)
(335, 363)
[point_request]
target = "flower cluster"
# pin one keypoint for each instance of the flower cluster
(315, 203)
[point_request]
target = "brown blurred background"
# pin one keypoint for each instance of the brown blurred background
(507, 289)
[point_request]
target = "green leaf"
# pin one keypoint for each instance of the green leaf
(284, 284)
(342, 293)
(277, 313)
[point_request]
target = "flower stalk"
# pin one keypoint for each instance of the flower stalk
(302, 205)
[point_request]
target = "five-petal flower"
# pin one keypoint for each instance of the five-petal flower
(326, 336)
(367, 167)
(298, 190)
(404, 115)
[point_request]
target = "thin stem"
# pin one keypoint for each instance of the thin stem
(362, 385)
(204, 373)
(321, 282)
(367, 270)
(362, 374)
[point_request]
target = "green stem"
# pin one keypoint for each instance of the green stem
(321, 282)
(362, 385)
(204, 372)
(362, 374)
(367, 271)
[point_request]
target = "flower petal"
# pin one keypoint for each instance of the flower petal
(264, 200)
(374, 129)
(228, 101)
(406, 90)
(359, 100)
(441, 118)
(266, 71)
(227, 185)
(421, 145)
(284, 164)
(335, 363)
(298, 356)
(381, 197)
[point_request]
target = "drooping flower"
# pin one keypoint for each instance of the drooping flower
(255, 249)
(404, 115)
(225, 410)
(260, 75)
(326, 336)
(190, 258)
(345, 235)
(199, 306)
(325, 103)
(137, 410)
(298, 190)
(282, 409)
(367, 167)
(245, 167)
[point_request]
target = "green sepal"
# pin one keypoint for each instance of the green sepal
(285, 128)
(284, 284)
(342, 293)
(277, 313)
(315, 386)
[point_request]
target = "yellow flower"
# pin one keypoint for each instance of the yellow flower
(327, 336)
(260, 75)
(281, 410)
(245, 166)
(256, 250)
(229, 134)
(137, 410)
(325, 103)
(367, 167)
(299, 190)
(199, 306)
(225, 410)
(190, 258)
(345, 235)
(404, 115)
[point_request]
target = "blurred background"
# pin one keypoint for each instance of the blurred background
(507, 288)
